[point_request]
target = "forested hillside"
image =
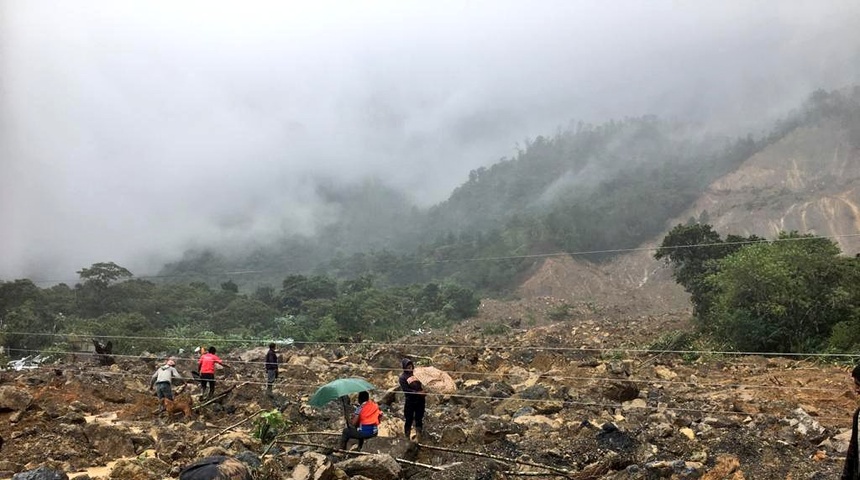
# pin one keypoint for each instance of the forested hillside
(383, 267)
(585, 188)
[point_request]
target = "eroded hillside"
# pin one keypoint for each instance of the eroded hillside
(809, 181)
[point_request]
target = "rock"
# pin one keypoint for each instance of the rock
(41, 473)
(635, 404)
(313, 466)
(272, 470)
(152, 465)
(688, 432)
(675, 469)
(621, 391)
(250, 459)
(170, 446)
(523, 411)
(538, 421)
(664, 373)
(500, 390)
(838, 443)
(456, 435)
(549, 407)
(74, 418)
(536, 392)
(109, 441)
(14, 399)
(806, 426)
(213, 452)
(218, 467)
(254, 355)
(315, 363)
(377, 467)
(109, 394)
(131, 470)
(721, 422)
(494, 428)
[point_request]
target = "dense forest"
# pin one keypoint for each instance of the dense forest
(139, 315)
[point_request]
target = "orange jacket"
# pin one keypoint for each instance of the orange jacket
(368, 413)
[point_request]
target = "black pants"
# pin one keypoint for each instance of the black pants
(413, 412)
(352, 432)
(207, 379)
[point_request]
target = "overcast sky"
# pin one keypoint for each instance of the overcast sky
(130, 131)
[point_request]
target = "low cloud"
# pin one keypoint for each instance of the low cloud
(130, 131)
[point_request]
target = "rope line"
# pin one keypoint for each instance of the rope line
(657, 381)
(261, 341)
(565, 403)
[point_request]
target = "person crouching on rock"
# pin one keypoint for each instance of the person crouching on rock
(162, 380)
(364, 422)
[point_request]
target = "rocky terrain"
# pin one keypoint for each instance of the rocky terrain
(544, 389)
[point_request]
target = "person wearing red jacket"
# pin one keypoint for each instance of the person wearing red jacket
(206, 363)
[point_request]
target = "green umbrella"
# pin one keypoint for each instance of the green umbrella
(338, 388)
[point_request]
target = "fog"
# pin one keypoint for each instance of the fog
(130, 131)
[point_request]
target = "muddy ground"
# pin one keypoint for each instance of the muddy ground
(573, 388)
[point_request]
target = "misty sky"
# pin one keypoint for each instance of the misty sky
(130, 131)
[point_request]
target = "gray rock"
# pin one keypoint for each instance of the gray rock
(14, 399)
(41, 473)
(378, 467)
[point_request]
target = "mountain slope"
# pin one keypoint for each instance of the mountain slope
(806, 180)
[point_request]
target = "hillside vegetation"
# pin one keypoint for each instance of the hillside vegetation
(386, 267)
(586, 188)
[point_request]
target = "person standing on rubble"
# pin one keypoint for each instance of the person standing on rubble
(851, 471)
(162, 381)
(271, 368)
(207, 363)
(415, 399)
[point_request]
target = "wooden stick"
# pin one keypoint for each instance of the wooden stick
(531, 474)
(562, 471)
(352, 452)
(219, 396)
(222, 432)
(296, 434)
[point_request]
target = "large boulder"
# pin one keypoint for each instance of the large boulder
(126, 469)
(314, 363)
(313, 466)
(109, 441)
(216, 468)
(14, 399)
(41, 473)
(378, 467)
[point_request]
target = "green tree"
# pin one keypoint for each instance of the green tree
(100, 275)
(693, 251)
(783, 296)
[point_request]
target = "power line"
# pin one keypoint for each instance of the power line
(566, 403)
